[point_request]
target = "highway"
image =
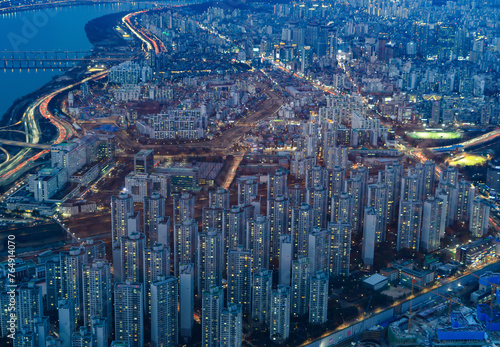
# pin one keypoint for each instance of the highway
(23, 160)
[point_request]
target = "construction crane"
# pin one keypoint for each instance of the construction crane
(355, 343)
(414, 282)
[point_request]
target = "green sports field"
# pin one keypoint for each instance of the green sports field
(435, 135)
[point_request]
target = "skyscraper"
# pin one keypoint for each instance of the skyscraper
(277, 184)
(183, 207)
(210, 258)
(154, 213)
(156, 263)
(231, 326)
(219, 198)
(122, 207)
(97, 289)
(409, 225)
(129, 308)
(433, 224)
(261, 295)
(280, 314)
(318, 298)
(144, 161)
(164, 312)
(66, 318)
(239, 278)
(278, 214)
(258, 241)
(318, 199)
(300, 286)
(72, 277)
(340, 249)
(377, 199)
(301, 225)
(341, 208)
(369, 234)
(93, 249)
(319, 250)
(29, 305)
(132, 257)
(247, 187)
(184, 242)
(234, 228)
(211, 307)
(480, 216)
(285, 259)
(186, 300)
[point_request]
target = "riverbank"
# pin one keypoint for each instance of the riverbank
(36, 7)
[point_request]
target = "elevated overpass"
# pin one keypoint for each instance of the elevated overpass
(24, 144)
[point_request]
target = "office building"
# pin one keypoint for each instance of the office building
(144, 161)
(129, 309)
(100, 330)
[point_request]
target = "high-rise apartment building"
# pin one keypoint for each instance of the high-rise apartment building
(164, 311)
(239, 278)
(211, 307)
(129, 309)
(280, 314)
(318, 298)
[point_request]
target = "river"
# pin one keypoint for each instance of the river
(50, 29)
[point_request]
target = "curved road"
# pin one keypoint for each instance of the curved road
(22, 161)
